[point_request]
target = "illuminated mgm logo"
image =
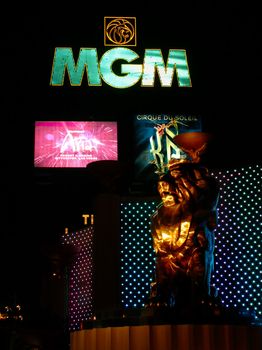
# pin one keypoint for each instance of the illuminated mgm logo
(120, 32)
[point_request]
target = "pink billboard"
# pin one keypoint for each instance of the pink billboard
(74, 144)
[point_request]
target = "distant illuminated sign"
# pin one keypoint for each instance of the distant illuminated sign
(88, 219)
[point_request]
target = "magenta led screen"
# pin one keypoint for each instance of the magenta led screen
(74, 144)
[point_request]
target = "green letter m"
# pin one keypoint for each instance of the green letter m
(64, 60)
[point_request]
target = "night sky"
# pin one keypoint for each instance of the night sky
(224, 56)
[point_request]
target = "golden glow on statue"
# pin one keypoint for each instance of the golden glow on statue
(182, 228)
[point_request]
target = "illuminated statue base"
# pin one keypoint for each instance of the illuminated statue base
(159, 328)
(168, 337)
(206, 313)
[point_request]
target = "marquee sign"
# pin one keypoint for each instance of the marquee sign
(120, 32)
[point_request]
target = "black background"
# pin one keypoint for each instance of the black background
(223, 47)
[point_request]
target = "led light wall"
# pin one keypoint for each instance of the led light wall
(80, 277)
(237, 251)
(239, 238)
(137, 255)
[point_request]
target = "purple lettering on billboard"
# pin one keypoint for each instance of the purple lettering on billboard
(74, 144)
(154, 145)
